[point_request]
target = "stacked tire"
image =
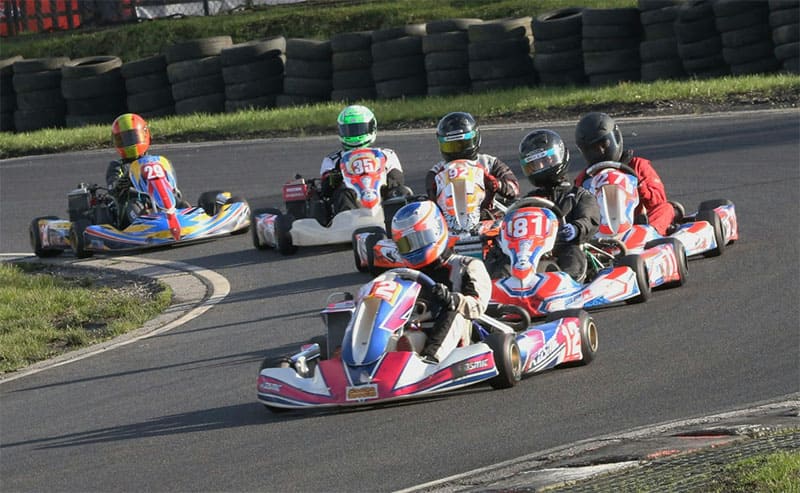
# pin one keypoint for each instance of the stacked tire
(93, 89)
(659, 47)
(308, 72)
(398, 65)
(746, 36)
(8, 98)
(37, 84)
(446, 50)
(500, 54)
(149, 92)
(195, 73)
(611, 39)
(351, 62)
(699, 43)
(558, 44)
(253, 73)
(784, 19)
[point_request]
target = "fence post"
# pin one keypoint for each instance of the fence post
(205, 8)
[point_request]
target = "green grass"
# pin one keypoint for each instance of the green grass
(42, 315)
(766, 473)
(415, 112)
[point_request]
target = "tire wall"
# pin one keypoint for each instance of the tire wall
(661, 39)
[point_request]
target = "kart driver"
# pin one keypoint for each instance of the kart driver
(357, 128)
(460, 138)
(130, 134)
(599, 139)
(544, 159)
(463, 287)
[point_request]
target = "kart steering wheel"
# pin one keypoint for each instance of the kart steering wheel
(537, 202)
(419, 277)
(592, 170)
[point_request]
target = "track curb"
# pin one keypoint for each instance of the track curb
(194, 291)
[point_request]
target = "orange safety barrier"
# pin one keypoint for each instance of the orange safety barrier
(38, 16)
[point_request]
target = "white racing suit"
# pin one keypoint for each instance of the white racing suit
(469, 282)
(342, 198)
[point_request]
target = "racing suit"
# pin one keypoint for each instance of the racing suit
(652, 195)
(499, 180)
(342, 198)
(470, 290)
(128, 203)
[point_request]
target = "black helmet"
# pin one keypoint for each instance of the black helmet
(459, 137)
(543, 157)
(593, 129)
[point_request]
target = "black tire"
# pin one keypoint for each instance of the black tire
(90, 66)
(109, 84)
(144, 66)
(557, 45)
(446, 60)
(514, 316)
(38, 100)
(253, 230)
(251, 50)
(787, 51)
(208, 201)
(713, 219)
(354, 41)
(36, 81)
(397, 47)
(610, 61)
(30, 65)
(452, 77)
(501, 68)
(662, 70)
(197, 48)
(496, 30)
(36, 240)
(780, 35)
(408, 86)
(658, 16)
(77, 240)
(507, 359)
(311, 69)
(636, 262)
(504, 48)
(450, 25)
(351, 79)
(351, 60)
(747, 36)
(397, 32)
(208, 103)
(784, 17)
(7, 65)
(448, 41)
(26, 120)
(740, 21)
(254, 71)
(254, 89)
(398, 68)
(147, 82)
(308, 49)
(588, 331)
(611, 17)
(659, 50)
(680, 256)
(560, 23)
(283, 226)
(558, 62)
(599, 46)
(726, 8)
(150, 100)
(377, 234)
(317, 89)
(191, 69)
(200, 86)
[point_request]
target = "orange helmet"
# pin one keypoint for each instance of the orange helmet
(130, 135)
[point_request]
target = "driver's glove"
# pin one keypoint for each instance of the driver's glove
(568, 232)
(443, 297)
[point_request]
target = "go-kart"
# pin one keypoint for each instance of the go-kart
(307, 221)
(528, 234)
(370, 353)
(706, 232)
(460, 192)
(614, 185)
(91, 227)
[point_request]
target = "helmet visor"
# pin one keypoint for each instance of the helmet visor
(539, 160)
(130, 137)
(415, 240)
(457, 144)
(356, 129)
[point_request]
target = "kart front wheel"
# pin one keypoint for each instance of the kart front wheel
(680, 257)
(716, 224)
(36, 239)
(77, 239)
(636, 263)
(254, 213)
(507, 359)
(588, 331)
(375, 235)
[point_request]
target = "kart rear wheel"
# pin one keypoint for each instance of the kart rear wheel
(234, 199)
(716, 224)
(636, 263)
(77, 240)
(376, 234)
(208, 201)
(36, 240)
(254, 230)
(680, 256)
(507, 359)
(283, 226)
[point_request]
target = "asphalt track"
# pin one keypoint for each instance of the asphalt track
(177, 411)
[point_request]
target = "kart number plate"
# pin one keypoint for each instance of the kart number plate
(362, 392)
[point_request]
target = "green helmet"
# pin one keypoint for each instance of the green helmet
(357, 127)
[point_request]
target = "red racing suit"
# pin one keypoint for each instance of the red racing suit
(652, 195)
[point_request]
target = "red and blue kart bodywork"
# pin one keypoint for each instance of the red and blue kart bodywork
(90, 230)
(363, 172)
(460, 192)
(529, 232)
(367, 357)
(705, 232)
